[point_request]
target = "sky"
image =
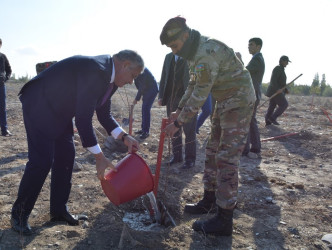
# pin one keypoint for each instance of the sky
(37, 31)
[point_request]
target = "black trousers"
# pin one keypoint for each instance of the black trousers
(46, 154)
(189, 130)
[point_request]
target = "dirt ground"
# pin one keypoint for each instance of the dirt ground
(285, 198)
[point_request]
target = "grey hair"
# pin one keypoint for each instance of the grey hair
(132, 56)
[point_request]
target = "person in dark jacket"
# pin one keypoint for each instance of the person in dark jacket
(256, 68)
(148, 89)
(173, 83)
(277, 84)
(75, 87)
(5, 72)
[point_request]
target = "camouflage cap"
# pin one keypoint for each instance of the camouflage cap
(173, 29)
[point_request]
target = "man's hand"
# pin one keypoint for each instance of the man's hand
(135, 102)
(171, 129)
(102, 163)
(131, 143)
(160, 101)
(279, 91)
(174, 115)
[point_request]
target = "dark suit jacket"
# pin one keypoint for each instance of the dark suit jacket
(146, 85)
(71, 88)
(256, 67)
(180, 81)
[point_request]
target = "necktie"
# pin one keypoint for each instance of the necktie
(107, 94)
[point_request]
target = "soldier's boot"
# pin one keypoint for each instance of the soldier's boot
(221, 224)
(204, 206)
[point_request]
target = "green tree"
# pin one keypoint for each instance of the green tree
(322, 84)
(315, 88)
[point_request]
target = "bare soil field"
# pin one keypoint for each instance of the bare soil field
(285, 198)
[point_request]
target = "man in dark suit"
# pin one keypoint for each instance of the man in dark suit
(173, 83)
(256, 67)
(147, 90)
(75, 87)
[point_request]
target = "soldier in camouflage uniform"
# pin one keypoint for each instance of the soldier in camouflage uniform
(214, 68)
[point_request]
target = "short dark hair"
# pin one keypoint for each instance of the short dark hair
(173, 29)
(131, 56)
(257, 41)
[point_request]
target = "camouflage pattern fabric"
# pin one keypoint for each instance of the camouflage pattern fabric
(216, 69)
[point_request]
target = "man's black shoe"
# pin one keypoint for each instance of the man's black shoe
(188, 164)
(267, 123)
(273, 121)
(175, 160)
(6, 133)
(144, 135)
(21, 226)
(139, 132)
(70, 219)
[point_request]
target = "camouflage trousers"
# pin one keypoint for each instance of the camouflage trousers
(229, 129)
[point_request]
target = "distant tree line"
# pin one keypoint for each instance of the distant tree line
(318, 88)
(20, 78)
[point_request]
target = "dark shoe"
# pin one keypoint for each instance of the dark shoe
(267, 123)
(21, 226)
(175, 160)
(144, 135)
(188, 164)
(204, 206)
(139, 132)
(70, 219)
(273, 121)
(221, 224)
(6, 133)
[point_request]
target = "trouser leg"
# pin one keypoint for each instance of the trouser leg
(282, 103)
(3, 114)
(189, 129)
(234, 126)
(40, 160)
(62, 168)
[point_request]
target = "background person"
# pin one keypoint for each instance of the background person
(75, 87)
(174, 81)
(148, 88)
(278, 81)
(219, 71)
(5, 72)
(256, 68)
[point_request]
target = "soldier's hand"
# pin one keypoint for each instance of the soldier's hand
(102, 163)
(174, 115)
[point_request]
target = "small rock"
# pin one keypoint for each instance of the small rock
(303, 166)
(327, 238)
(299, 185)
(276, 160)
(85, 224)
(283, 223)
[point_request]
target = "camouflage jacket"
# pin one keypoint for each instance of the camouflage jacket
(216, 69)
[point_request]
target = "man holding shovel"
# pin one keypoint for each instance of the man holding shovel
(75, 87)
(277, 85)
